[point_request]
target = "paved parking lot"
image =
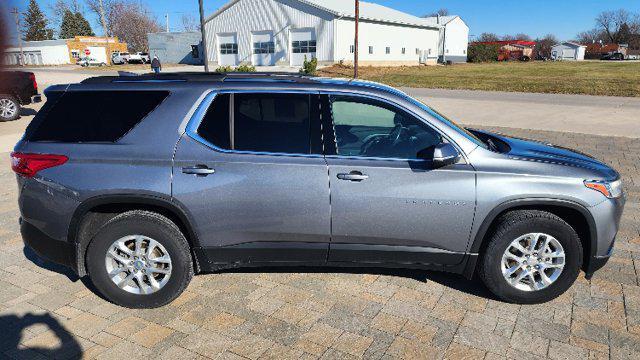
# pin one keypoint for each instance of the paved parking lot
(271, 313)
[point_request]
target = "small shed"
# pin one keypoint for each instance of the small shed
(568, 51)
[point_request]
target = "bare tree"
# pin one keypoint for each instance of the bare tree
(189, 23)
(612, 22)
(441, 12)
(101, 8)
(545, 44)
(131, 22)
(486, 37)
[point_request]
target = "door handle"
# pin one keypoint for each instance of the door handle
(355, 176)
(199, 170)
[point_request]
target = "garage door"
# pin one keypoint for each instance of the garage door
(99, 53)
(228, 49)
(264, 48)
(303, 43)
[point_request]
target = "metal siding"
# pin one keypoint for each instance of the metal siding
(175, 48)
(249, 16)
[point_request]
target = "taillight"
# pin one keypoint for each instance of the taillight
(32, 76)
(28, 165)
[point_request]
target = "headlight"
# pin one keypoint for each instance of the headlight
(610, 189)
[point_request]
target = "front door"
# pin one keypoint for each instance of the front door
(389, 205)
(251, 173)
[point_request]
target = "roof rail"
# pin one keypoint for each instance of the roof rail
(201, 76)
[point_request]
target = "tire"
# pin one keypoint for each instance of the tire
(9, 108)
(515, 225)
(155, 227)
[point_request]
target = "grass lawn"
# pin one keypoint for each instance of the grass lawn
(588, 77)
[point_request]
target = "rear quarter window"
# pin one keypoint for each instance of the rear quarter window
(93, 116)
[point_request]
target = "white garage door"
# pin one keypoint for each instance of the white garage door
(228, 49)
(264, 48)
(303, 43)
(99, 53)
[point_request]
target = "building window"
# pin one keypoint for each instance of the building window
(75, 54)
(429, 51)
(303, 47)
(387, 50)
(464, 52)
(417, 51)
(267, 47)
(352, 49)
(370, 49)
(404, 51)
(195, 53)
(447, 51)
(228, 49)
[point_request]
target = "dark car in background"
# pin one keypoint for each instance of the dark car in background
(17, 88)
(614, 56)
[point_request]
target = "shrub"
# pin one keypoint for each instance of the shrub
(479, 53)
(246, 68)
(224, 69)
(309, 67)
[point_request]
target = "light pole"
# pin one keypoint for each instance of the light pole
(17, 16)
(204, 37)
(355, 45)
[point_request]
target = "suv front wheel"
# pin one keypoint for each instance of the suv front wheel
(140, 259)
(532, 257)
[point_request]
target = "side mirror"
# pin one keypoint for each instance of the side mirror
(443, 154)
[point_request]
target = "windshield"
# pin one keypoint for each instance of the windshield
(461, 130)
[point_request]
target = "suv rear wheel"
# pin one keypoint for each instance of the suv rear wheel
(9, 108)
(140, 259)
(532, 257)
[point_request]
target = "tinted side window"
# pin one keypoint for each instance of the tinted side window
(95, 116)
(278, 123)
(215, 124)
(369, 128)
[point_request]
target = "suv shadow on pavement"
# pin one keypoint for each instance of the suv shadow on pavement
(69, 347)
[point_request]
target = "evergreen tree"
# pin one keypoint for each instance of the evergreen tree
(84, 28)
(35, 24)
(74, 25)
(68, 27)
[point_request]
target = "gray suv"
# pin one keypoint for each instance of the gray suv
(140, 182)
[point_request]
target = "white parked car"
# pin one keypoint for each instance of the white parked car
(120, 58)
(89, 61)
(139, 57)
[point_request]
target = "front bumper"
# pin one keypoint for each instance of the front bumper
(59, 252)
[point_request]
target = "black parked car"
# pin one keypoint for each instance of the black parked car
(16, 88)
(615, 56)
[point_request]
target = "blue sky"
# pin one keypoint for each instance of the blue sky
(564, 18)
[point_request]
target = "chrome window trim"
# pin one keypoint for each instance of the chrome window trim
(198, 116)
(395, 104)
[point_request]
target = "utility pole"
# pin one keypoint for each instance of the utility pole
(204, 37)
(166, 17)
(355, 45)
(17, 16)
(104, 29)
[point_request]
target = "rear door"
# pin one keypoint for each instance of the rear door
(390, 205)
(251, 172)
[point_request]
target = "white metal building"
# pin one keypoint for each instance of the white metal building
(46, 52)
(283, 32)
(454, 38)
(568, 51)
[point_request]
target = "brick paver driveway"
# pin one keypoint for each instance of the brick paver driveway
(306, 314)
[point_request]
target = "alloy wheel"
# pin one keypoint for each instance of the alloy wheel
(533, 262)
(138, 264)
